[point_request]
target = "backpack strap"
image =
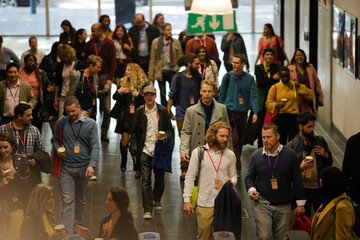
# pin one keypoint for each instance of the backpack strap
(201, 150)
(227, 81)
(62, 125)
(9, 129)
(178, 86)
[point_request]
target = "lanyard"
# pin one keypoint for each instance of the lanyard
(168, 48)
(272, 169)
(14, 97)
(156, 124)
(293, 93)
(92, 88)
(217, 170)
(203, 42)
(3, 57)
(22, 142)
(237, 85)
(96, 50)
(208, 122)
(78, 134)
(203, 73)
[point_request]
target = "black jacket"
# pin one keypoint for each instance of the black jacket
(227, 211)
(151, 32)
(351, 167)
(138, 132)
(124, 228)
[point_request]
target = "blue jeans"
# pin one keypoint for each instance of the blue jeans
(149, 195)
(167, 76)
(73, 184)
(272, 222)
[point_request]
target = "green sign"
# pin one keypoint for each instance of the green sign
(203, 23)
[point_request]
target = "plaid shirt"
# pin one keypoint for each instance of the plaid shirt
(33, 137)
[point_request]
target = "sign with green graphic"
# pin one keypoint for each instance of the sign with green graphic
(203, 23)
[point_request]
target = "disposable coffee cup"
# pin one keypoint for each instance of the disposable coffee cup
(309, 158)
(284, 99)
(59, 227)
(98, 239)
(61, 150)
(161, 134)
(9, 173)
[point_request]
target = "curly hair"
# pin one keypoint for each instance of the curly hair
(66, 54)
(8, 137)
(137, 79)
(210, 137)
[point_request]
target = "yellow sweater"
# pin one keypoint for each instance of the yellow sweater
(282, 91)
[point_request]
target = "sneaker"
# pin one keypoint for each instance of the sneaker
(182, 177)
(137, 174)
(157, 206)
(93, 178)
(104, 138)
(147, 215)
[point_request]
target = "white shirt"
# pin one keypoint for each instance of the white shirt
(39, 56)
(151, 130)
(207, 191)
(119, 50)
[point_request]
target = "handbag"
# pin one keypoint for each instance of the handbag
(114, 113)
(162, 156)
(281, 55)
(194, 195)
(56, 159)
(270, 117)
(302, 223)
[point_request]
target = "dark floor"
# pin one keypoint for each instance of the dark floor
(171, 222)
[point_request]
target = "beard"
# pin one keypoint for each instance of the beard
(195, 73)
(307, 135)
(221, 145)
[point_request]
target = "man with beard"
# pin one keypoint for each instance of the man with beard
(218, 165)
(313, 155)
(103, 47)
(273, 177)
(12, 92)
(237, 92)
(29, 141)
(185, 88)
(81, 142)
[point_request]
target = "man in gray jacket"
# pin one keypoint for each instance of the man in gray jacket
(197, 120)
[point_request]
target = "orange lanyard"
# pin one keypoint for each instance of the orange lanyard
(156, 124)
(96, 50)
(22, 142)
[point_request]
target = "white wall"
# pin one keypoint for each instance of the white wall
(304, 25)
(289, 27)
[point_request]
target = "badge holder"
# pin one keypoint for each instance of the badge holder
(132, 108)
(192, 99)
(76, 148)
(241, 99)
(274, 184)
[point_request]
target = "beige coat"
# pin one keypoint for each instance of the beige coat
(155, 64)
(193, 129)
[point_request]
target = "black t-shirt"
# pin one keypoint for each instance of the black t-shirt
(208, 113)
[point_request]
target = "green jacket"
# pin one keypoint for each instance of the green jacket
(25, 94)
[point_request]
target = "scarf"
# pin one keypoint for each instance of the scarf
(160, 48)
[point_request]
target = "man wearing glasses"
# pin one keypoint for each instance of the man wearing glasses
(237, 91)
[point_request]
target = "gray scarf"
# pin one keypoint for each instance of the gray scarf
(160, 48)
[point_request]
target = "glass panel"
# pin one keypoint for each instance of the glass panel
(243, 16)
(16, 18)
(81, 14)
(264, 13)
(108, 8)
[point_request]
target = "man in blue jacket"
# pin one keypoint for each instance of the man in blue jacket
(237, 92)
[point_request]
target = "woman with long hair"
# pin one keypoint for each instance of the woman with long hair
(208, 68)
(38, 82)
(65, 71)
(271, 40)
(79, 43)
(158, 21)
(306, 73)
(119, 224)
(124, 47)
(335, 217)
(68, 34)
(105, 20)
(129, 96)
(39, 218)
(14, 173)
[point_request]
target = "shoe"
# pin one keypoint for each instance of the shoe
(104, 138)
(93, 178)
(157, 206)
(147, 216)
(123, 169)
(182, 177)
(137, 174)
(238, 172)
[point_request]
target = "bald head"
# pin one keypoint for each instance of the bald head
(97, 32)
(140, 21)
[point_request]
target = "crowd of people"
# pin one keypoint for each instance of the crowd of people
(213, 121)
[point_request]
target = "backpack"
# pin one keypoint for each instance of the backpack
(227, 82)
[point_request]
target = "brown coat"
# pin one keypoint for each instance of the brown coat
(155, 64)
(323, 226)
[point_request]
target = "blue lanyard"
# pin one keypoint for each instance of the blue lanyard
(237, 85)
(208, 122)
(272, 169)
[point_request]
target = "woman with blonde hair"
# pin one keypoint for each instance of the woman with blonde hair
(39, 219)
(129, 97)
(66, 71)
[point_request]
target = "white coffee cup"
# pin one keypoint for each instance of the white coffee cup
(61, 150)
(284, 99)
(161, 134)
(309, 158)
(9, 173)
(59, 227)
